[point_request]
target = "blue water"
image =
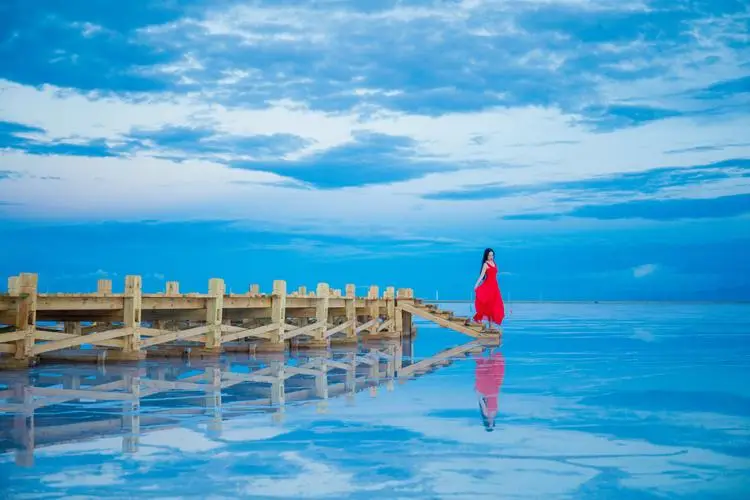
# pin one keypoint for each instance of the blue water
(598, 401)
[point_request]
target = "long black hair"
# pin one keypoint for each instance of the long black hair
(485, 256)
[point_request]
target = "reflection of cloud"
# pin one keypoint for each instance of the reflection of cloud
(108, 475)
(315, 479)
(182, 439)
(505, 477)
(644, 270)
(244, 433)
(643, 334)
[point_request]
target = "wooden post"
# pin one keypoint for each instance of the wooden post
(302, 291)
(319, 340)
(132, 313)
(214, 313)
(254, 289)
(173, 288)
(278, 317)
(104, 287)
(25, 288)
(390, 330)
(373, 309)
(350, 308)
(13, 283)
(403, 318)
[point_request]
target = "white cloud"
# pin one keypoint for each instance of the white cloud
(520, 146)
(644, 270)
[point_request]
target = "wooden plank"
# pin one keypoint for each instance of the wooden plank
(366, 326)
(7, 303)
(154, 332)
(79, 302)
(303, 330)
(8, 348)
(169, 337)
(81, 339)
(340, 328)
(425, 314)
(167, 303)
(48, 335)
(262, 332)
(385, 325)
(12, 336)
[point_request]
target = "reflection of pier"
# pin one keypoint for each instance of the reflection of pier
(131, 400)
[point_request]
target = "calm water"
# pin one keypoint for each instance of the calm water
(597, 401)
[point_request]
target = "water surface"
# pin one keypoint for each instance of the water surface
(614, 401)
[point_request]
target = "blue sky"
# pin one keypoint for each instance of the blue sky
(600, 147)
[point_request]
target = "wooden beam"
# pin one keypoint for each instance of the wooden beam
(48, 336)
(180, 335)
(368, 325)
(232, 333)
(346, 325)
(303, 330)
(81, 339)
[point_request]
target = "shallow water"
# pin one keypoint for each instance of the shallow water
(597, 401)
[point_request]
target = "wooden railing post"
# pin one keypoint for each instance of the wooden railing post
(278, 316)
(214, 313)
(254, 289)
(25, 288)
(322, 294)
(403, 318)
(132, 313)
(373, 308)
(350, 310)
(104, 287)
(173, 288)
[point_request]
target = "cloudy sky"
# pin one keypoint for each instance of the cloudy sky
(600, 147)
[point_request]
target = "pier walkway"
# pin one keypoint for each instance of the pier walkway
(130, 325)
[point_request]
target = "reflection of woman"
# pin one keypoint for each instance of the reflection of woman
(489, 374)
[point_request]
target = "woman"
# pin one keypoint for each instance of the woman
(489, 374)
(488, 301)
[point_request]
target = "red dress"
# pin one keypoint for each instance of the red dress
(488, 301)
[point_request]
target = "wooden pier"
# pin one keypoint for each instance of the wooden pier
(147, 397)
(131, 325)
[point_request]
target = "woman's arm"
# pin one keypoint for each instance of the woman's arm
(481, 275)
